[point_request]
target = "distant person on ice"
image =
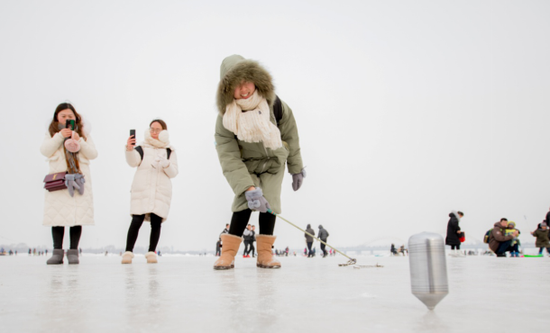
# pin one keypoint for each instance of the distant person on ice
(68, 150)
(309, 240)
(151, 194)
(499, 243)
(323, 235)
(510, 230)
(393, 250)
(256, 135)
(453, 231)
(543, 240)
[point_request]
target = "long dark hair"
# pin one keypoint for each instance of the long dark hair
(54, 125)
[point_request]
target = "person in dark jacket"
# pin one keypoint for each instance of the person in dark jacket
(247, 240)
(543, 240)
(252, 240)
(323, 235)
(309, 240)
(500, 243)
(393, 250)
(453, 231)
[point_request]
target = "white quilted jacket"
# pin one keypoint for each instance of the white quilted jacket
(152, 187)
(60, 209)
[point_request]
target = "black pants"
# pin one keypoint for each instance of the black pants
(309, 253)
(133, 231)
(247, 245)
(505, 247)
(455, 247)
(252, 249)
(323, 248)
(239, 221)
(59, 232)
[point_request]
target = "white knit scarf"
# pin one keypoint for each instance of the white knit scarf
(254, 123)
(162, 142)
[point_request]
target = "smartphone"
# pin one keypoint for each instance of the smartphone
(133, 133)
(70, 124)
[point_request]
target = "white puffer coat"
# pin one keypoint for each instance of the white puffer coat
(152, 187)
(60, 209)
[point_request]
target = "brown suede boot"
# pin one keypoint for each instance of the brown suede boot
(230, 246)
(265, 256)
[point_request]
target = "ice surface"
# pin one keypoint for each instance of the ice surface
(184, 294)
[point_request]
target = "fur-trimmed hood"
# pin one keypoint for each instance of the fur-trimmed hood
(455, 214)
(233, 71)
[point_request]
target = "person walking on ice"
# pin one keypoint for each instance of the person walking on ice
(453, 232)
(256, 135)
(323, 235)
(542, 238)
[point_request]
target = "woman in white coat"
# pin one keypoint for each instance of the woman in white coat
(156, 164)
(63, 207)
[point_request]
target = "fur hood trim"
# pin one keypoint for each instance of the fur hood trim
(455, 213)
(236, 69)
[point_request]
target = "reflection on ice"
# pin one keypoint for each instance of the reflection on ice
(184, 293)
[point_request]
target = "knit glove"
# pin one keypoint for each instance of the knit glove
(256, 200)
(298, 179)
(164, 162)
(161, 162)
(74, 181)
(79, 180)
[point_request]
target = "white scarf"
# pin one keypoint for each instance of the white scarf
(162, 142)
(254, 124)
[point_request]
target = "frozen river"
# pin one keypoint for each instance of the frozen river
(184, 294)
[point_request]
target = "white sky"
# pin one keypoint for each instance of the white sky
(406, 110)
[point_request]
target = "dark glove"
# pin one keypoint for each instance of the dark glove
(256, 200)
(298, 179)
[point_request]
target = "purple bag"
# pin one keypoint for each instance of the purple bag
(55, 181)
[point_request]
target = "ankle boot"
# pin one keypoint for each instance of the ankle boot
(230, 246)
(57, 257)
(151, 257)
(72, 257)
(127, 257)
(265, 256)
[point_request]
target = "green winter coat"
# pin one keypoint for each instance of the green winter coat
(246, 164)
(542, 238)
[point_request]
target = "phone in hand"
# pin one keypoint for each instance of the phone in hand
(133, 134)
(70, 124)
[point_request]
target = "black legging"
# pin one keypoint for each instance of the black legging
(455, 247)
(239, 221)
(59, 232)
(133, 231)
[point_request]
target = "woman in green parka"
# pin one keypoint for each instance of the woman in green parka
(254, 143)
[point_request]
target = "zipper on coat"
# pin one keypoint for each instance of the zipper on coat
(268, 157)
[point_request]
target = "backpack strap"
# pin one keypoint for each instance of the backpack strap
(278, 109)
(140, 151)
